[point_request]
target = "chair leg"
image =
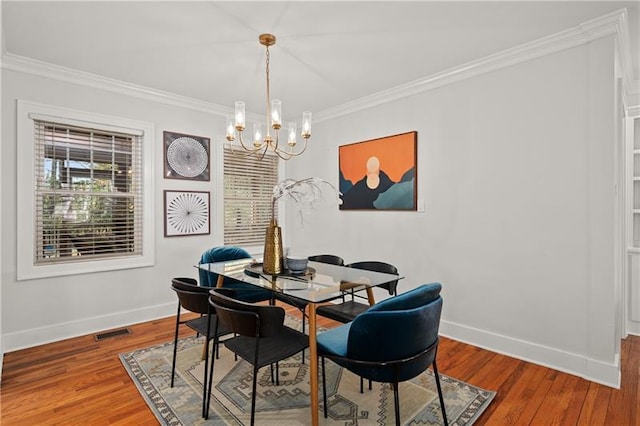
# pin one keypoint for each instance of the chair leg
(208, 384)
(253, 395)
(362, 385)
(437, 376)
(175, 345)
(396, 399)
(324, 387)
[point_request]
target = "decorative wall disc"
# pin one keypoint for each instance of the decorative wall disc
(186, 157)
(186, 213)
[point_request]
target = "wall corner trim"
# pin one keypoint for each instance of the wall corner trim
(12, 62)
(614, 23)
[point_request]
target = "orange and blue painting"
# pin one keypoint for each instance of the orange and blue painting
(379, 174)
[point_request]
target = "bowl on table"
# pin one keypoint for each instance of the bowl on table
(297, 264)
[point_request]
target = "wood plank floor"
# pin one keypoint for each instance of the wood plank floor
(82, 382)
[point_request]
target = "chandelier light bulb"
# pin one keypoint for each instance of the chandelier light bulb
(240, 116)
(276, 114)
(257, 135)
(292, 134)
(231, 131)
(306, 124)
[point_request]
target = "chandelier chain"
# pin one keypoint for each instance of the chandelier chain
(268, 93)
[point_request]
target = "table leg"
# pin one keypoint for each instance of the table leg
(220, 281)
(372, 300)
(313, 364)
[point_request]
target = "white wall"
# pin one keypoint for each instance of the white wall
(516, 172)
(515, 179)
(43, 310)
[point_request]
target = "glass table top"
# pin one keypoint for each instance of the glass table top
(320, 283)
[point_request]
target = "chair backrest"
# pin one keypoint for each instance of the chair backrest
(374, 265)
(219, 254)
(191, 296)
(327, 258)
(246, 319)
(395, 329)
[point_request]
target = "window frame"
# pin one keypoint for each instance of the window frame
(27, 113)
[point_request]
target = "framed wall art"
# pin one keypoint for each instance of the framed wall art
(186, 213)
(186, 156)
(379, 174)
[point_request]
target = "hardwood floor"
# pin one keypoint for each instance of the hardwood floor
(82, 381)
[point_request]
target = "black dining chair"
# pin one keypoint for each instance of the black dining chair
(331, 259)
(348, 309)
(392, 342)
(302, 304)
(261, 338)
(194, 299)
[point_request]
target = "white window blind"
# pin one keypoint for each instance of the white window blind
(88, 193)
(248, 186)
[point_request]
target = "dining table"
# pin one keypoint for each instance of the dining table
(319, 283)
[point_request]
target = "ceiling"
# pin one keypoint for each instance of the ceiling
(327, 53)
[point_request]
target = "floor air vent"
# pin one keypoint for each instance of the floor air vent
(112, 333)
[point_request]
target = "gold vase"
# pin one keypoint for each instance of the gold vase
(272, 262)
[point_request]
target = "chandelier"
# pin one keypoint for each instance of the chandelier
(262, 142)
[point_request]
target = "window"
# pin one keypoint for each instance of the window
(88, 198)
(248, 186)
(86, 194)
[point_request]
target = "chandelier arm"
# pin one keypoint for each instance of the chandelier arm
(245, 153)
(282, 154)
(295, 154)
(245, 147)
(266, 147)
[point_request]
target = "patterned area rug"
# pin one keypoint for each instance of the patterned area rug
(288, 403)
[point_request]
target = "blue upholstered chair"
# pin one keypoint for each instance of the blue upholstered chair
(393, 341)
(243, 291)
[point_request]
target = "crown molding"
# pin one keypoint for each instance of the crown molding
(38, 68)
(614, 23)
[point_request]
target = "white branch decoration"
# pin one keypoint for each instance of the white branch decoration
(305, 192)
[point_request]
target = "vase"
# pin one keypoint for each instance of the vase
(272, 262)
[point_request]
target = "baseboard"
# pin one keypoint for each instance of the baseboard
(593, 370)
(53, 333)
(633, 327)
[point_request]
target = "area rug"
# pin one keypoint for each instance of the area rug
(288, 403)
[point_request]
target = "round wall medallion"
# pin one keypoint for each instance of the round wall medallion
(187, 157)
